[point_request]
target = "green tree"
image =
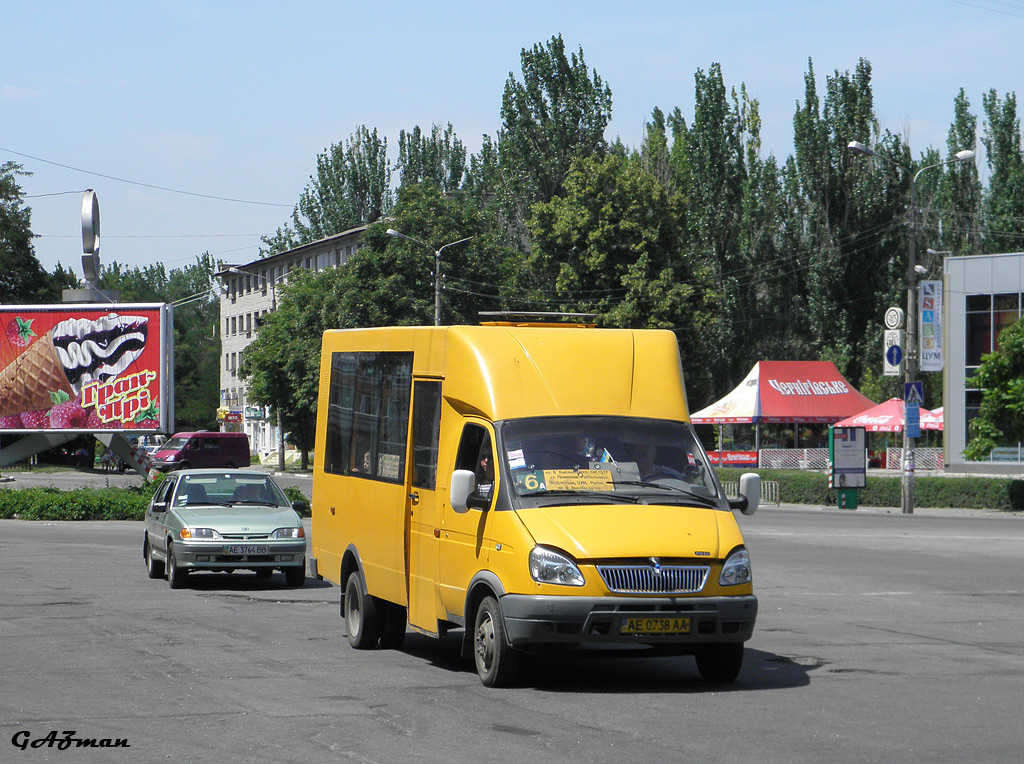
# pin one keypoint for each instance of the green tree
(1004, 202)
(351, 187)
(558, 113)
(391, 281)
(956, 227)
(1000, 420)
(22, 278)
(610, 246)
(848, 210)
(439, 157)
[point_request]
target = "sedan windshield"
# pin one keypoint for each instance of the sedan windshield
(229, 489)
(605, 460)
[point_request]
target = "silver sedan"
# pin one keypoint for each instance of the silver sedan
(222, 520)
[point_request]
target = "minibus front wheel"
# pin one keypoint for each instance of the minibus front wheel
(496, 662)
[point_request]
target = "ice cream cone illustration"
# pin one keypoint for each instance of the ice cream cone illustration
(28, 381)
(73, 353)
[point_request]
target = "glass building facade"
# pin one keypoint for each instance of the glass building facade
(984, 294)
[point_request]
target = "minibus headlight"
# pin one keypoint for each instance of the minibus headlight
(199, 533)
(550, 567)
(288, 533)
(736, 569)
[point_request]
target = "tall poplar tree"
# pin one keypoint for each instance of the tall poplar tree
(1004, 202)
(351, 187)
(557, 113)
(849, 211)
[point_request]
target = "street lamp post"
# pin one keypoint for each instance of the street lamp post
(911, 358)
(437, 267)
(273, 309)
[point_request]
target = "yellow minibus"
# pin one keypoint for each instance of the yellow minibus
(535, 486)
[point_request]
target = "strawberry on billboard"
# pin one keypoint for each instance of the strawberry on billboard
(85, 368)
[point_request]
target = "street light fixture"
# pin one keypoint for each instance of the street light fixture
(910, 364)
(273, 308)
(437, 266)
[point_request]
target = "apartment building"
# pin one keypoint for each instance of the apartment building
(250, 293)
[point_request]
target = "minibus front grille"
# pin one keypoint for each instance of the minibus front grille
(648, 579)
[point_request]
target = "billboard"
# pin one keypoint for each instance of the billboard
(86, 368)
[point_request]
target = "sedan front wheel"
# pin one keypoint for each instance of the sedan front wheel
(176, 576)
(154, 567)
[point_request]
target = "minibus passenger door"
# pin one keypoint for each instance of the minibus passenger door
(422, 510)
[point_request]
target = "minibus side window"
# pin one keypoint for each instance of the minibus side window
(426, 430)
(368, 415)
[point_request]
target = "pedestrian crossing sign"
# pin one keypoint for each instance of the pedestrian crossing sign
(913, 393)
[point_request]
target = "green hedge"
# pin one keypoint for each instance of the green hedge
(795, 487)
(80, 504)
(801, 487)
(92, 503)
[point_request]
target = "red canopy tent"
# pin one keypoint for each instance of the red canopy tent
(888, 416)
(803, 392)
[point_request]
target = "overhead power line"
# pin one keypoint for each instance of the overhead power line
(145, 185)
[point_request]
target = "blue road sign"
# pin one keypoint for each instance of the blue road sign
(913, 393)
(894, 354)
(913, 420)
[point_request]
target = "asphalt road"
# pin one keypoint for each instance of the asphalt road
(881, 638)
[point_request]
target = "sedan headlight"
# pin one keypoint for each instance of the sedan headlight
(736, 569)
(288, 533)
(550, 567)
(206, 534)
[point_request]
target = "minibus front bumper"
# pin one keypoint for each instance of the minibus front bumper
(678, 621)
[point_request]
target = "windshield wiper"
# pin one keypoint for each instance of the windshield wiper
(707, 501)
(600, 496)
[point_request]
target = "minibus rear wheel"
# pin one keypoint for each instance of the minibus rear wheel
(362, 621)
(496, 662)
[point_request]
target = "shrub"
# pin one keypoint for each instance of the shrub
(802, 487)
(80, 504)
(295, 495)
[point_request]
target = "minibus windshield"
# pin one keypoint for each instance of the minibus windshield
(601, 459)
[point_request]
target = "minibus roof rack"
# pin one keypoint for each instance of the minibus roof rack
(526, 318)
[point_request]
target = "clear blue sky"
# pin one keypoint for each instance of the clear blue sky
(236, 99)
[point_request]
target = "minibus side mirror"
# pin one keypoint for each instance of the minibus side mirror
(462, 492)
(750, 494)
